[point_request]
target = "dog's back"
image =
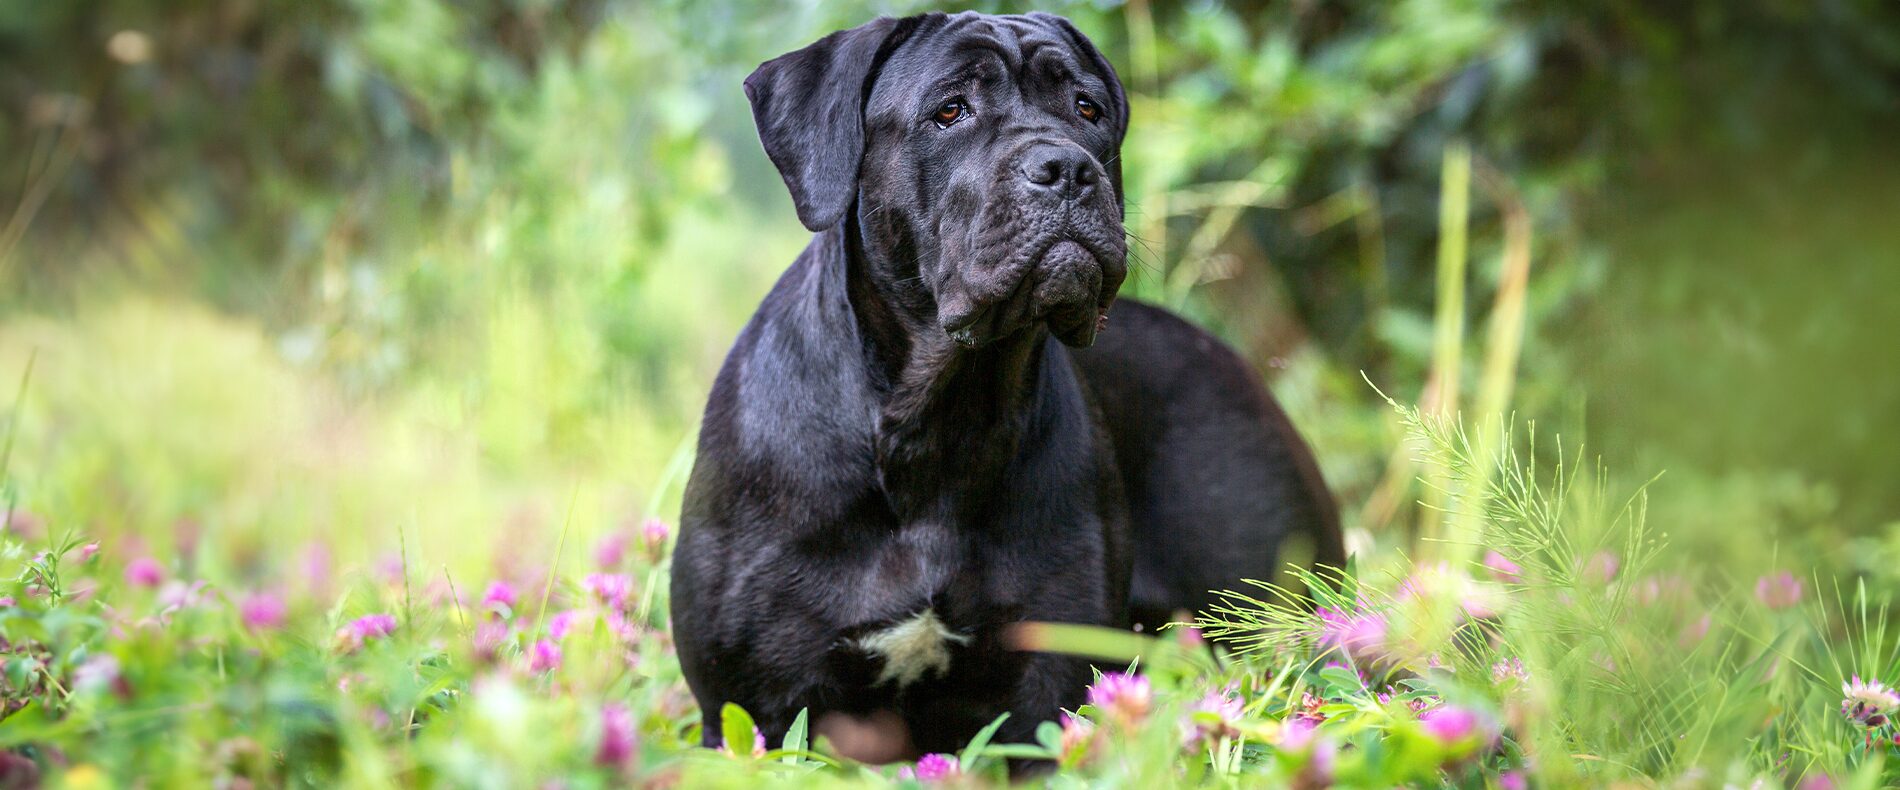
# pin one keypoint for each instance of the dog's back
(1215, 474)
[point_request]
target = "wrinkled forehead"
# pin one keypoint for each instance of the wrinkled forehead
(980, 50)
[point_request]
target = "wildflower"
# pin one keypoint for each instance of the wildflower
(1601, 567)
(18, 770)
(1667, 588)
(391, 569)
(1302, 741)
(623, 629)
(97, 673)
(1868, 702)
(314, 565)
(1449, 724)
(616, 736)
(931, 768)
(1513, 780)
(1124, 697)
(87, 552)
(612, 590)
(1779, 591)
(1358, 634)
(1309, 711)
(262, 611)
(1077, 733)
(1456, 727)
(1694, 632)
(24, 525)
(611, 550)
(499, 598)
(1503, 568)
(1212, 718)
(7, 602)
(655, 533)
(561, 623)
(1509, 671)
(361, 630)
(176, 595)
(1439, 581)
(489, 637)
(544, 656)
(1416, 705)
(144, 572)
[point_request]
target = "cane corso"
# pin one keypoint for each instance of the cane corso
(919, 440)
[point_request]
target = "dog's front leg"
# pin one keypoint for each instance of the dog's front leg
(1050, 684)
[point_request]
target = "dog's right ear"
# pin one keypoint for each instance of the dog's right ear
(809, 107)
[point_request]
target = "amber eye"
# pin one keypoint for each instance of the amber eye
(949, 112)
(1089, 110)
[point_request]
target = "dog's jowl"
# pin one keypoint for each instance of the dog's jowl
(920, 440)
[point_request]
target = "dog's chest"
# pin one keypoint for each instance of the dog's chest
(928, 601)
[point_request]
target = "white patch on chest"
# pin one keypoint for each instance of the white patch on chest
(912, 648)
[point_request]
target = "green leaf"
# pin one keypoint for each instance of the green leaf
(967, 760)
(1049, 734)
(735, 724)
(1342, 679)
(1027, 751)
(795, 738)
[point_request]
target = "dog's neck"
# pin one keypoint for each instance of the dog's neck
(950, 418)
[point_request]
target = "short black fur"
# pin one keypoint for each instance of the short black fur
(919, 417)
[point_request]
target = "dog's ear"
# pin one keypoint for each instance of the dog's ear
(809, 107)
(1106, 71)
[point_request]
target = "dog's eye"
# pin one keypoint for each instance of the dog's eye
(1089, 110)
(950, 112)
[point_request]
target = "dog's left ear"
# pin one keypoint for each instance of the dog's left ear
(809, 107)
(1106, 70)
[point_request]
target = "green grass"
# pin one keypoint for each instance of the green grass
(1588, 664)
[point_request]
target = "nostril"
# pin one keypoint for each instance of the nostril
(1085, 173)
(1045, 172)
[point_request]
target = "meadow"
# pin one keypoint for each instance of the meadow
(351, 355)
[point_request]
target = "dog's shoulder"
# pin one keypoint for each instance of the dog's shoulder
(793, 394)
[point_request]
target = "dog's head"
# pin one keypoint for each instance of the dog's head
(981, 156)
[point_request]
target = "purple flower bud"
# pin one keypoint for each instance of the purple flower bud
(1601, 567)
(1077, 732)
(655, 533)
(617, 736)
(144, 572)
(561, 623)
(1503, 568)
(932, 768)
(612, 590)
(1778, 591)
(1124, 697)
(363, 629)
(611, 550)
(262, 611)
(489, 637)
(500, 595)
(1451, 724)
(544, 656)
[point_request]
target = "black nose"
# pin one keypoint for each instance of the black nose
(1063, 169)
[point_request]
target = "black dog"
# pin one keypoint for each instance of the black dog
(908, 449)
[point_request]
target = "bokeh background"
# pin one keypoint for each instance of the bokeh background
(339, 279)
